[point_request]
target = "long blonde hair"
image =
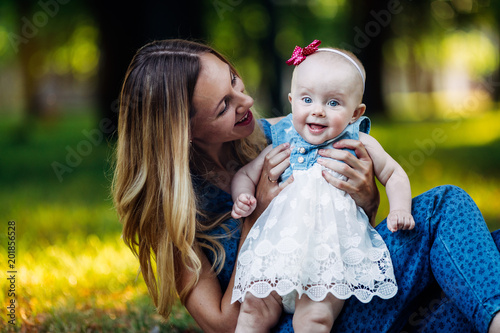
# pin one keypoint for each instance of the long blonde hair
(152, 187)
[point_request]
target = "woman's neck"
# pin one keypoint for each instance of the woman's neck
(212, 155)
(218, 166)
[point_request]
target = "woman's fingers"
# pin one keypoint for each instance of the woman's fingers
(355, 145)
(356, 174)
(275, 162)
(341, 184)
(286, 182)
(358, 170)
(275, 172)
(279, 150)
(350, 166)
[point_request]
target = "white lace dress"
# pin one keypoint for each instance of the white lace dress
(314, 240)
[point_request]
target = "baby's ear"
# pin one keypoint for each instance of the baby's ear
(358, 112)
(290, 97)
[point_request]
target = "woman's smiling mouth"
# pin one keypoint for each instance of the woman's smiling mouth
(247, 118)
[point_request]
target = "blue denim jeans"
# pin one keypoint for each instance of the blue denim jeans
(447, 269)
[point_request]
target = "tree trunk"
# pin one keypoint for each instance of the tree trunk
(371, 21)
(273, 63)
(27, 45)
(127, 26)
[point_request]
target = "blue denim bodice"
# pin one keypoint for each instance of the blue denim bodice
(304, 154)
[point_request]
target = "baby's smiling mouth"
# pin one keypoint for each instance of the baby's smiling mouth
(316, 127)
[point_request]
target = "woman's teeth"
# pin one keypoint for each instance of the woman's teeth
(243, 119)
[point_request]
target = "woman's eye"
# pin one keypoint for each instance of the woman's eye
(234, 77)
(226, 103)
(333, 103)
(307, 100)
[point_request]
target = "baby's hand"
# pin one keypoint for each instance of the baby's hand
(400, 220)
(243, 206)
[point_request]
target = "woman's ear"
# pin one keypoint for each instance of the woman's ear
(290, 97)
(358, 112)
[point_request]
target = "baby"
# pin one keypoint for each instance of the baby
(313, 245)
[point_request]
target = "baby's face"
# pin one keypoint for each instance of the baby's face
(325, 97)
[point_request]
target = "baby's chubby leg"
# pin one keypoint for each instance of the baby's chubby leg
(258, 315)
(243, 206)
(311, 316)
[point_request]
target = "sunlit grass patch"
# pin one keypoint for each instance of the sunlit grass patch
(85, 284)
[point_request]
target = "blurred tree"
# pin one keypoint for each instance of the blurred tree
(272, 60)
(438, 51)
(493, 9)
(375, 22)
(125, 26)
(26, 47)
(35, 37)
(370, 20)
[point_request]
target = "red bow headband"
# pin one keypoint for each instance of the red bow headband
(299, 54)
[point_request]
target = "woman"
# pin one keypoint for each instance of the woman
(185, 127)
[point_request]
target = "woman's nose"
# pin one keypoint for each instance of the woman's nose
(245, 103)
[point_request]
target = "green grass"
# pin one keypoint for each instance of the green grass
(74, 274)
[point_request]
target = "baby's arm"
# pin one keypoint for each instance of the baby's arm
(396, 183)
(243, 186)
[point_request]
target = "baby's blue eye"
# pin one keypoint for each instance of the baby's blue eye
(333, 103)
(307, 100)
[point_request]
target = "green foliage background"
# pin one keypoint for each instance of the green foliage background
(438, 116)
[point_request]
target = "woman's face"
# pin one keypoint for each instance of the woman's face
(222, 109)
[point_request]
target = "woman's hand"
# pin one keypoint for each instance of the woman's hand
(360, 183)
(275, 162)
